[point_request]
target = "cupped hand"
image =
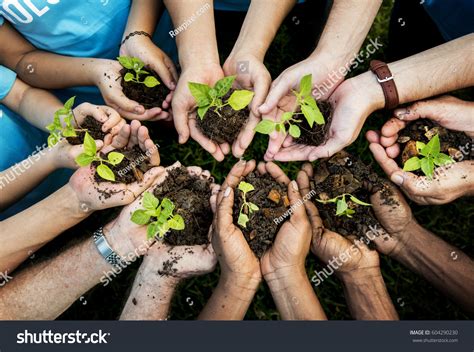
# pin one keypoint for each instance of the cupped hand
(184, 108)
(251, 75)
(107, 77)
(348, 255)
(448, 183)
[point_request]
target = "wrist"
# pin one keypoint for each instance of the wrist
(282, 279)
(367, 84)
(74, 207)
(189, 61)
(120, 242)
(360, 276)
(243, 285)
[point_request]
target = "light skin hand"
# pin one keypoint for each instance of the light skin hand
(448, 183)
(252, 76)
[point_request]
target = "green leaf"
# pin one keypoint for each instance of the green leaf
(213, 93)
(84, 159)
(420, 145)
(152, 230)
(287, 116)
(341, 206)
(128, 77)
(358, 201)
(245, 187)
(202, 110)
(105, 172)
(150, 202)
(89, 145)
(252, 207)
(442, 159)
(200, 92)
(53, 140)
(139, 217)
(412, 164)
(69, 103)
(243, 220)
(51, 127)
(167, 206)
(151, 82)
(306, 84)
(176, 223)
(239, 99)
(265, 127)
(62, 112)
(115, 158)
(427, 166)
(295, 131)
(309, 100)
(432, 148)
(223, 85)
(126, 62)
(163, 229)
(143, 72)
(137, 64)
(69, 132)
(309, 113)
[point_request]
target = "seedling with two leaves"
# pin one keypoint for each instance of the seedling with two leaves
(65, 128)
(431, 156)
(90, 155)
(207, 97)
(306, 106)
(159, 217)
(137, 65)
(342, 208)
(247, 207)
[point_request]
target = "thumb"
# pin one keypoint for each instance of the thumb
(429, 109)
(261, 87)
(280, 88)
(180, 118)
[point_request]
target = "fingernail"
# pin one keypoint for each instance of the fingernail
(242, 161)
(294, 185)
(400, 113)
(138, 109)
(263, 106)
(227, 192)
(397, 179)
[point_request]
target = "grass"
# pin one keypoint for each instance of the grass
(414, 298)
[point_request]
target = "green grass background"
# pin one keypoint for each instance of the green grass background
(414, 298)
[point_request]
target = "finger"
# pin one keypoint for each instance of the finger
(373, 136)
(113, 118)
(288, 142)
(393, 151)
(296, 152)
(116, 129)
(303, 183)
(308, 168)
(241, 169)
(134, 127)
(388, 165)
(277, 173)
(261, 88)
(245, 136)
(98, 114)
(152, 152)
(279, 89)
(213, 200)
(121, 140)
(225, 148)
(296, 202)
(180, 118)
(224, 209)
(392, 127)
(275, 142)
(116, 97)
(327, 150)
(164, 73)
(421, 109)
(194, 170)
(172, 68)
(207, 144)
(388, 141)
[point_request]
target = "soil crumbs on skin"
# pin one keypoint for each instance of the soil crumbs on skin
(148, 97)
(190, 195)
(263, 225)
(317, 135)
(92, 126)
(344, 173)
(224, 128)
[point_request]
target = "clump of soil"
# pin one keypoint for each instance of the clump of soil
(190, 195)
(344, 173)
(148, 97)
(131, 169)
(92, 126)
(317, 135)
(263, 225)
(226, 127)
(453, 143)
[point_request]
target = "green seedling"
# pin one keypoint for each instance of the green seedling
(65, 128)
(207, 97)
(342, 208)
(158, 217)
(431, 156)
(136, 65)
(306, 106)
(90, 155)
(247, 207)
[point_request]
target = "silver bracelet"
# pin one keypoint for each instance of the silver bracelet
(106, 251)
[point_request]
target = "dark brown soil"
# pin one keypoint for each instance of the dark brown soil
(92, 126)
(344, 173)
(131, 169)
(263, 224)
(455, 144)
(190, 196)
(224, 128)
(148, 97)
(319, 133)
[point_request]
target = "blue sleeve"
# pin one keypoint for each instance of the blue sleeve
(7, 79)
(2, 20)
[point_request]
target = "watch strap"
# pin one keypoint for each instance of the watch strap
(105, 250)
(385, 78)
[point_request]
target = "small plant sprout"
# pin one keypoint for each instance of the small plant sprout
(431, 156)
(247, 208)
(64, 128)
(307, 107)
(89, 156)
(136, 65)
(207, 97)
(342, 208)
(158, 217)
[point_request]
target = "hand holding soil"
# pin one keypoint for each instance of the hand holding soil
(251, 75)
(184, 108)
